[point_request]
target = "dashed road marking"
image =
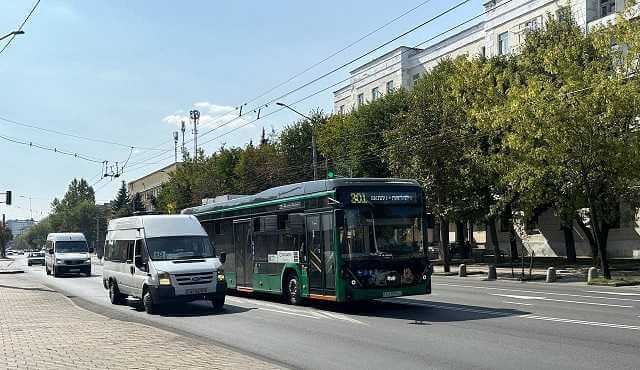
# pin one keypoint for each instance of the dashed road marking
(560, 300)
(542, 292)
(518, 303)
(614, 293)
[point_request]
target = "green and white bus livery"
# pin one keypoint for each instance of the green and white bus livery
(337, 240)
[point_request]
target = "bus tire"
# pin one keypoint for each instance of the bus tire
(292, 289)
(114, 293)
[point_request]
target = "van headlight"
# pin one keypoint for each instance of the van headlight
(59, 261)
(164, 278)
(221, 277)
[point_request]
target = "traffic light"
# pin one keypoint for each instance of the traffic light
(8, 197)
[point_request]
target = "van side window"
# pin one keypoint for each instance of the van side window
(130, 245)
(108, 250)
(141, 249)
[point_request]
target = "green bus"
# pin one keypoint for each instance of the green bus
(346, 239)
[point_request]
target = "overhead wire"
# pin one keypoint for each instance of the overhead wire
(21, 26)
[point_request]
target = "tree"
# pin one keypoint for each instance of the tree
(5, 237)
(121, 205)
(136, 204)
(570, 123)
(429, 143)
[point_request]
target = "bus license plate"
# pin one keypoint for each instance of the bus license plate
(395, 293)
(197, 291)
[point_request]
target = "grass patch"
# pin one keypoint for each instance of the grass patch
(619, 281)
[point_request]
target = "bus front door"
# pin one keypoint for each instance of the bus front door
(244, 254)
(320, 253)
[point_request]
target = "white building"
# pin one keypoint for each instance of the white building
(18, 227)
(501, 31)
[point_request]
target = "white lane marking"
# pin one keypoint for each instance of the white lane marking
(287, 310)
(539, 292)
(518, 303)
(517, 296)
(581, 322)
(560, 300)
(615, 293)
(528, 317)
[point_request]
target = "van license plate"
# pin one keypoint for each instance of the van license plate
(197, 291)
(395, 293)
(74, 270)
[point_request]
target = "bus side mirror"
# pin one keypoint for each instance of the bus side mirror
(50, 250)
(91, 250)
(223, 257)
(339, 215)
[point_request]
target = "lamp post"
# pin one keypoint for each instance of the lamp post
(313, 139)
(14, 33)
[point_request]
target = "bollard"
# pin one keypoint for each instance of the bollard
(593, 273)
(492, 275)
(462, 270)
(551, 275)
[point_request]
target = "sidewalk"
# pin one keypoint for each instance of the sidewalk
(42, 329)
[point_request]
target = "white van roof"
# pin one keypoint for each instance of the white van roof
(160, 225)
(66, 236)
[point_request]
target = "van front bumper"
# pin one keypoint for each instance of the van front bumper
(167, 294)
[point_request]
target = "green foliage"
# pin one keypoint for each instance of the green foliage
(121, 206)
(136, 204)
(5, 237)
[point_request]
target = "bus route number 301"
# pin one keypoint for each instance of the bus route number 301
(358, 198)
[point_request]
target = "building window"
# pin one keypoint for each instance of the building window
(483, 52)
(607, 7)
(529, 26)
(390, 87)
(503, 43)
(415, 78)
(375, 93)
(360, 99)
(341, 110)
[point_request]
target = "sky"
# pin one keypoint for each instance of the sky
(128, 72)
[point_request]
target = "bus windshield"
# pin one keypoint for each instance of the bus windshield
(72, 247)
(179, 247)
(382, 231)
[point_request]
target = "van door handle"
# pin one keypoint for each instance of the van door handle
(132, 269)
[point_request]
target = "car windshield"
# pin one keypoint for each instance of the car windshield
(382, 231)
(179, 247)
(72, 247)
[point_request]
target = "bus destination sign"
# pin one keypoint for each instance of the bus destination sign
(395, 197)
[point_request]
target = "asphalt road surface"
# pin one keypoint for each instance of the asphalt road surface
(465, 323)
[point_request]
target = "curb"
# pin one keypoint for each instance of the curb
(7, 272)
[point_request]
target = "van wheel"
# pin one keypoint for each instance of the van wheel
(218, 302)
(292, 289)
(114, 294)
(147, 302)
(54, 272)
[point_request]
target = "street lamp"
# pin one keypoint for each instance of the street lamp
(313, 139)
(14, 33)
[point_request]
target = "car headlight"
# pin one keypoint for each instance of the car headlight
(221, 275)
(88, 260)
(164, 278)
(59, 261)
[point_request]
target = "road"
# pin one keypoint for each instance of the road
(466, 323)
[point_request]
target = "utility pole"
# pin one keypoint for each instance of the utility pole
(195, 117)
(183, 129)
(175, 146)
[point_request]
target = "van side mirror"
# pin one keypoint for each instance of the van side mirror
(141, 263)
(223, 257)
(50, 250)
(91, 250)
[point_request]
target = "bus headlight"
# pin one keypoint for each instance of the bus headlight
(353, 282)
(164, 278)
(221, 277)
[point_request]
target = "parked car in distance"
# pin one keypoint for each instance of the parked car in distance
(35, 258)
(160, 259)
(67, 253)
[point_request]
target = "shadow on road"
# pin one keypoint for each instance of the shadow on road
(198, 308)
(421, 312)
(23, 288)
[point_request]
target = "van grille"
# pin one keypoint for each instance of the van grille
(195, 278)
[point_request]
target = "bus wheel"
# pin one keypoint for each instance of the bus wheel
(292, 289)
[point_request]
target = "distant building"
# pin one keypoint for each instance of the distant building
(150, 185)
(502, 31)
(18, 227)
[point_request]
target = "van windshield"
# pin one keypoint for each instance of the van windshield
(179, 247)
(72, 247)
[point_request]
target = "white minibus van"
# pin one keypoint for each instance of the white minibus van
(67, 253)
(160, 259)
